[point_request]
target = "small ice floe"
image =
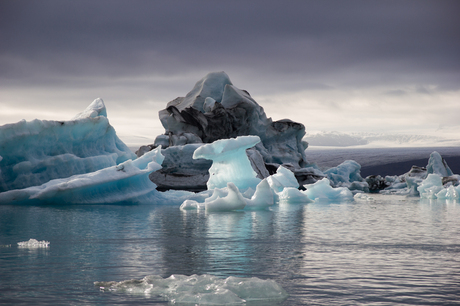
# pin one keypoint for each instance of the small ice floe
(33, 244)
(363, 197)
(201, 289)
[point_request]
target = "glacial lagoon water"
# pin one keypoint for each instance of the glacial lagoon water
(390, 251)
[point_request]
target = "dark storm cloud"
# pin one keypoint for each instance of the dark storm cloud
(354, 41)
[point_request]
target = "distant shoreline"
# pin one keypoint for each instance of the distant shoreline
(383, 161)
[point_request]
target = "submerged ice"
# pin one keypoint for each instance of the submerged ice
(201, 289)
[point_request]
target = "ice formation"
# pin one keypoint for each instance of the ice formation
(215, 109)
(201, 289)
(347, 174)
(127, 182)
(432, 188)
(322, 191)
(426, 182)
(225, 200)
(437, 165)
(229, 162)
(35, 152)
(231, 167)
(281, 179)
(33, 244)
(293, 195)
(230, 199)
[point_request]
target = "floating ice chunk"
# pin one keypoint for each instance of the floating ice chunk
(449, 193)
(38, 151)
(321, 191)
(262, 198)
(33, 244)
(437, 165)
(281, 179)
(201, 289)
(293, 195)
(127, 182)
(430, 186)
(190, 205)
(363, 197)
(347, 174)
(230, 162)
(225, 200)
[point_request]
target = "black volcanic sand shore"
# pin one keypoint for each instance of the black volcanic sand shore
(383, 161)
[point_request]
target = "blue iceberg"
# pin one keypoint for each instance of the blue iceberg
(35, 152)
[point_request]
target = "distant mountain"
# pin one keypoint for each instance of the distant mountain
(338, 139)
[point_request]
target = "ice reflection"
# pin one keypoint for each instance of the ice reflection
(390, 251)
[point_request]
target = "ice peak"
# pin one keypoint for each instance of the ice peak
(95, 109)
(212, 85)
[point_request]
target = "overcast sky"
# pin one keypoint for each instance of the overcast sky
(346, 66)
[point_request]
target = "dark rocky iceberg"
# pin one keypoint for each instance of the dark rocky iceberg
(216, 109)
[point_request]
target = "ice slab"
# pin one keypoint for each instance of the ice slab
(201, 289)
(127, 182)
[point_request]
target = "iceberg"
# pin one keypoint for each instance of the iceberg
(229, 162)
(430, 186)
(33, 153)
(215, 109)
(437, 165)
(281, 179)
(293, 195)
(201, 289)
(126, 183)
(322, 191)
(449, 193)
(347, 174)
(231, 199)
(426, 182)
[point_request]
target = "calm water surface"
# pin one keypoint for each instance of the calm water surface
(394, 251)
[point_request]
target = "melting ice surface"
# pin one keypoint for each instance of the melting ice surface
(201, 289)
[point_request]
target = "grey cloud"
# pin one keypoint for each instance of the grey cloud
(395, 93)
(265, 46)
